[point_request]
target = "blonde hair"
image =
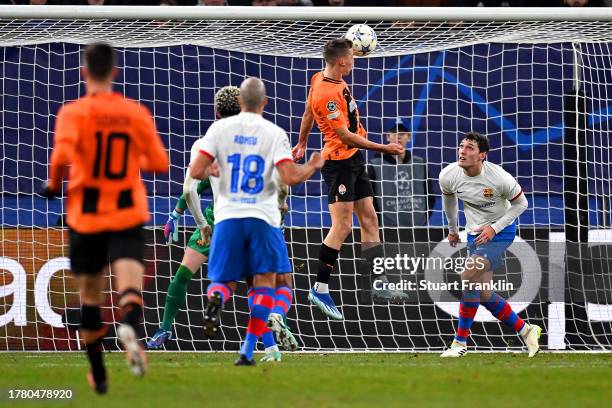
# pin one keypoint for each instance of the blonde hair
(226, 101)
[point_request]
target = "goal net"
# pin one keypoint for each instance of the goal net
(536, 82)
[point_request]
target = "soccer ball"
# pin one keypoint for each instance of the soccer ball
(363, 38)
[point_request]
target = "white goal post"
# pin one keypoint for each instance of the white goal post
(536, 81)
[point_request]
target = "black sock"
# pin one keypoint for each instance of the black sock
(327, 260)
(91, 322)
(131, 314)
(94, 354)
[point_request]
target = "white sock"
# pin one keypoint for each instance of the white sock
(464, 344)
(272, 348)
(525, 329)
(321, 287)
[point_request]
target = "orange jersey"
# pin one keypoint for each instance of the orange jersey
(106, 139)
(333, 107)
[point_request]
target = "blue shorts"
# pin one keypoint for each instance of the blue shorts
(243, 247)
(494, 249)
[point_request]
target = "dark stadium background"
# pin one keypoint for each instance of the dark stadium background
(516, 94)
(513, 93)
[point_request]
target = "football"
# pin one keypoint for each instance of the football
(363, 38)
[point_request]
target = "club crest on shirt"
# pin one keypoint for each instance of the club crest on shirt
(342, 189)
(331, 106)
(487, 193)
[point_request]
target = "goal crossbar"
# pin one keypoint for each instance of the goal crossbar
(282, 31)
(195, 13)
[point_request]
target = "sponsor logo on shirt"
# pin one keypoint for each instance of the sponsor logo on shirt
(333, 115)
(244, 200)
(479, 206)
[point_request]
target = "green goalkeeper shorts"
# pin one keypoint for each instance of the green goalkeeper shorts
(209, 215)
(193, 243)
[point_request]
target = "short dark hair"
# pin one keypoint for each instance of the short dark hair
(398, 128)
(481, 140)
(100, 59)
(336, 48)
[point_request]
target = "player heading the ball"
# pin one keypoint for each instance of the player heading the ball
(493, 200)
(349, 190)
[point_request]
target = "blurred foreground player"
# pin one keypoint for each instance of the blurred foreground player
(493, 200)
(106, 140)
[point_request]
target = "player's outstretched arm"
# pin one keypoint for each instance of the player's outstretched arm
(450, 205)
(292, 174)
(487, 232)
(192, 198)
(171, 228)
(517, 206)
(511, 191)
(351, 139)
(199, 166)
(299, 150)
(202, 186)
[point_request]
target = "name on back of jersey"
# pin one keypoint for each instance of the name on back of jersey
(112, 120)
(245, 140)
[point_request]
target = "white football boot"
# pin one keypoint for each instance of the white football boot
(531, 337)
(455, 350)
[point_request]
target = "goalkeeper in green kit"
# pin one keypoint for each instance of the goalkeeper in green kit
(197, 251)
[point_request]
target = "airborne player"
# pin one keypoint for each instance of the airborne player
(348, 186)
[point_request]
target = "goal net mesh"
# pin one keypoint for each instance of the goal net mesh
(539, 90)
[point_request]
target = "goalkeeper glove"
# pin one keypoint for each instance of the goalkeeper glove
(171, 227)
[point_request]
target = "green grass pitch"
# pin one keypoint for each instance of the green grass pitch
(179, 380)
